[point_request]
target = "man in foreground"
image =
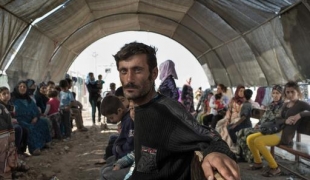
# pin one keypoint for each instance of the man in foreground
(166, 135)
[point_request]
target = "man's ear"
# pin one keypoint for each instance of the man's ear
(154, 73)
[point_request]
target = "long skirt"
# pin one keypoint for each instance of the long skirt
(39, 134)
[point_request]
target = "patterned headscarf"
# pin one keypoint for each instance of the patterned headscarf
(166, 69)
(278, 88)
(239, 100)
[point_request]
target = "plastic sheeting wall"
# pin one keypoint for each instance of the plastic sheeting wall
(250, 42)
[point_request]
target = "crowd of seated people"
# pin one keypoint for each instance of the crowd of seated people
(31, 117)
(248, 142)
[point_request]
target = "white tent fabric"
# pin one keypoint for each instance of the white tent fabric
(250, 42)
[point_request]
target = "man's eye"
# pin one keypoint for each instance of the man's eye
(138, 70)
(123, 71)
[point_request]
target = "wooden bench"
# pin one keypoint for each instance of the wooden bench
(299, 149)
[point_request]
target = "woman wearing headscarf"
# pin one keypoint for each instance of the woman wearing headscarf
(232, 116)
(31, 87)
(94, 95)
(28, 116)
(187, 97)
(167, 76)
(40, 96)
(273, 110)
(288, 120)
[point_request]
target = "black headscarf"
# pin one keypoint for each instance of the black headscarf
(16, 94)
(29, 83)
(37, 89)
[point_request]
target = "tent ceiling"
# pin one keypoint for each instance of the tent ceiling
(250, 42)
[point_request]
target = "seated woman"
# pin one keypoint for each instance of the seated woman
(28, 116)
(232, 116)
(273, 110)
(40, 96)
(214, 116)
(289, 117)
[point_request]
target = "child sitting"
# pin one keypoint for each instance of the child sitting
(218, 102)
(52, 111)
(115, 111)
(21, 133)
(123, 167)
(8, 156)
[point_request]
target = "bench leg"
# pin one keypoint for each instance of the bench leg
(297, 158)
(272, 150)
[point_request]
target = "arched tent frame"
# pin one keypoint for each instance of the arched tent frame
(250, 42)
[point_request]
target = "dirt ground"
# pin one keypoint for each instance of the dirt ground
(71, 160)
(75, 159)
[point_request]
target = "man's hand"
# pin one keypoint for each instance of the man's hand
(34, 120)
(256, 126)
(116, 167)
(227, 167)
(14, 121)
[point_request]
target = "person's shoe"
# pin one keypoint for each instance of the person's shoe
(21, 166)
(104, 126)
(272, 172)
(36, 152)
(83, 129)
(48, 145)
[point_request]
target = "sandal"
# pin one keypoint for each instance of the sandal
(100, 162)
(269, 173)
(255, 167)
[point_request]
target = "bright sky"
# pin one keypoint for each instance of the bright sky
(98, 57)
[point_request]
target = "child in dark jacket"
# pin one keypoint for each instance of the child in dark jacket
(123, 167)
(113, 109)
(21, 133)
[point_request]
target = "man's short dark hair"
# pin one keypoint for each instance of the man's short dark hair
(248, 94)
(110, 105)
(136, 48)
(63, 83)
(119, 91)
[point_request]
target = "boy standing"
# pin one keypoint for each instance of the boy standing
(66, 101)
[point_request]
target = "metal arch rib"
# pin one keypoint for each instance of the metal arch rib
(179, 24)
